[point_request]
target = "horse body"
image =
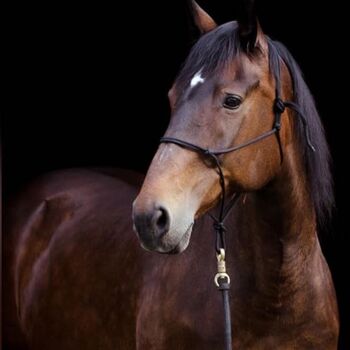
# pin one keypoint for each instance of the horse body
(81, 281)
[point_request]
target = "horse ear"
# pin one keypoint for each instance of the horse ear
(202, 20)
(247, 24)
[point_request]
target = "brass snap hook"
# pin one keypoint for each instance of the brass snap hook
(221, 268)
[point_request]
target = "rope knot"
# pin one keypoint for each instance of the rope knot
(219, 226)
(207, 152)
(279, 106)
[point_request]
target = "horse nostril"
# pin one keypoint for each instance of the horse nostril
(151, 223)
(161, 221)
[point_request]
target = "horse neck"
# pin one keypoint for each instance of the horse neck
(276, 230)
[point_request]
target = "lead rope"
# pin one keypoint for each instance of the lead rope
(222, 279)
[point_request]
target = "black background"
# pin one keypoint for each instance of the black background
(87, 84)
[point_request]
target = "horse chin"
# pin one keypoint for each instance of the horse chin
(167, 246)
(184, 242)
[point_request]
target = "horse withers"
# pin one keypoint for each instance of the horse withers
(75, 276)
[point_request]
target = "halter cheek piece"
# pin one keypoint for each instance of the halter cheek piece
(222, 280)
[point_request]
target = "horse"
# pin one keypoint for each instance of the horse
(75, 275)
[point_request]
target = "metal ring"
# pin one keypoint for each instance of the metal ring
(221, 275)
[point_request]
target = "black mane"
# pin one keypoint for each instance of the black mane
(218, 48)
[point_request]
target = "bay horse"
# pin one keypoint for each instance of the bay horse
(75, 275)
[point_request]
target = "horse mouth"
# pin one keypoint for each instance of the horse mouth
(168, 244)
(179, 247)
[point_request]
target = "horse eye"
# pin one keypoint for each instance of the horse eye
(232, 101)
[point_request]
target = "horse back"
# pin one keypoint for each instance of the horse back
(68, 241)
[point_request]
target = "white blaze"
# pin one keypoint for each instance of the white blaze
(197, 79)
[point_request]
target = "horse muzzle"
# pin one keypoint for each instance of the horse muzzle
(160, 229)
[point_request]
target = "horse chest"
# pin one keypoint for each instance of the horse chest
(181, 312)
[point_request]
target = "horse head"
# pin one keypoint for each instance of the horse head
(225, 96)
